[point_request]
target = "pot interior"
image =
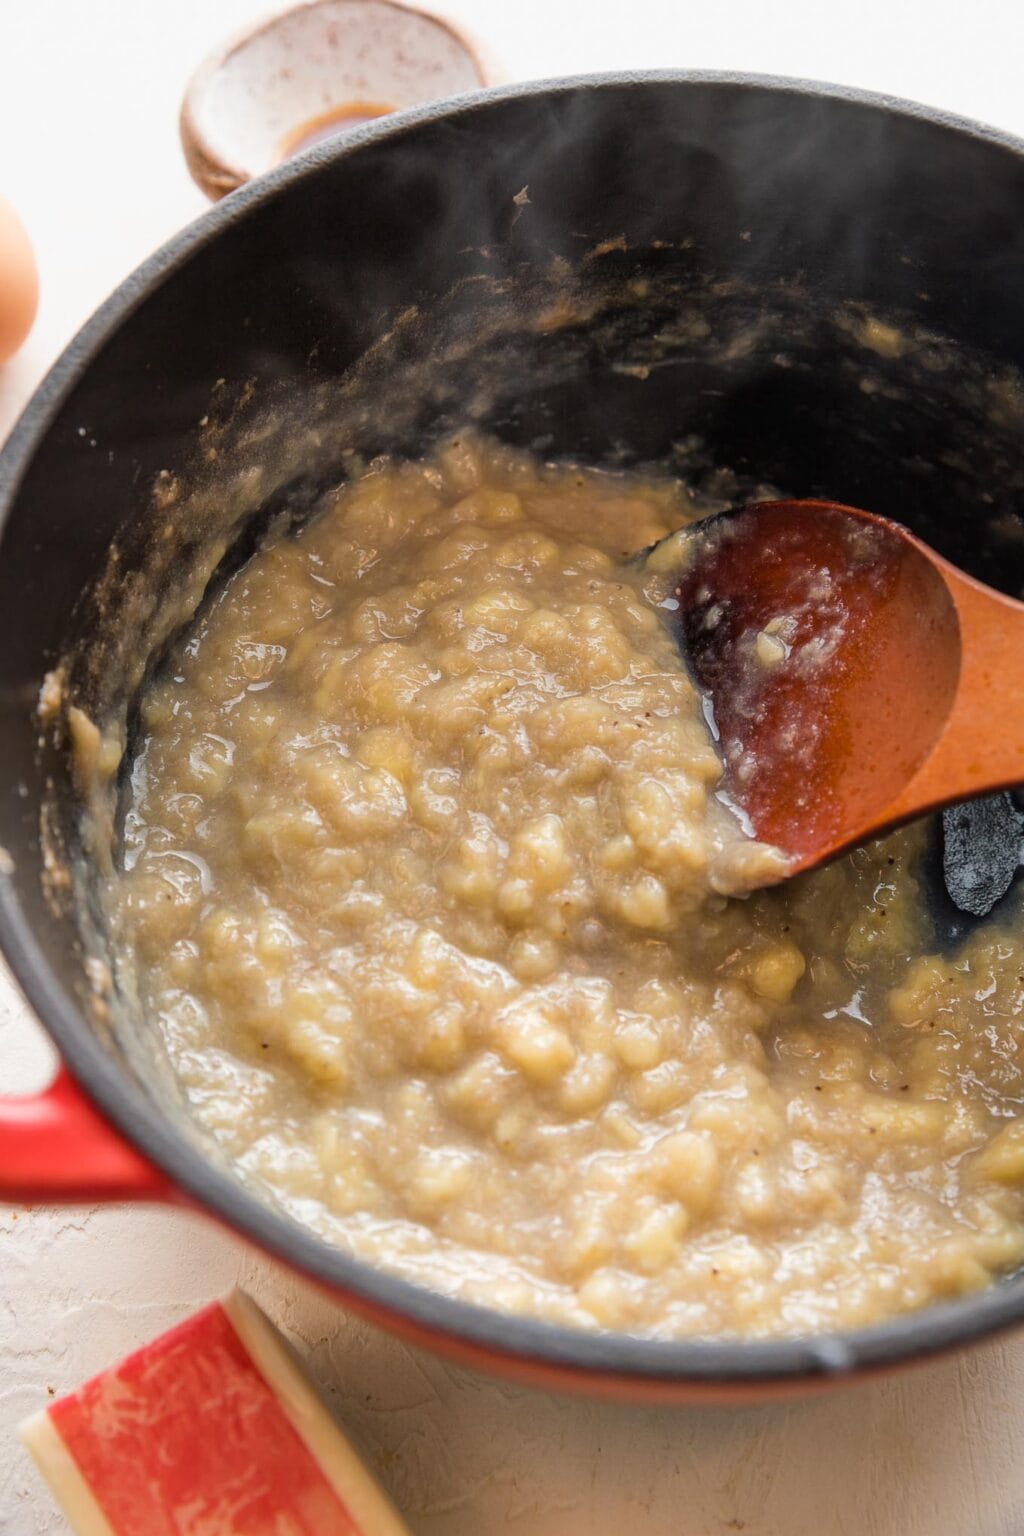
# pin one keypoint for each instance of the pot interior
(749, 285)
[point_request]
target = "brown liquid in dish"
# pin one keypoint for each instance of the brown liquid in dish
(422, 889)
(328, 124)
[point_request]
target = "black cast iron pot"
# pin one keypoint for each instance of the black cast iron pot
(813, 288)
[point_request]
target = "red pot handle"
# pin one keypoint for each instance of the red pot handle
(55, 1148)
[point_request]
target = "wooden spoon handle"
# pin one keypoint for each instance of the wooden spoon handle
(981, 746)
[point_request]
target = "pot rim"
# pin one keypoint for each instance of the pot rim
(523, 1342)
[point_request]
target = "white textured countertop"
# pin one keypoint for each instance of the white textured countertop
(89, 154)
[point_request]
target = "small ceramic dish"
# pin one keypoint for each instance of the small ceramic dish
(311, 72)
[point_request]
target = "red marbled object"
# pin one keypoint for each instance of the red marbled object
(213, 1429)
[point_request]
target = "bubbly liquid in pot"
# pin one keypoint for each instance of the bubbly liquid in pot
(422, 885)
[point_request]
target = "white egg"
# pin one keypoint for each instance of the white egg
(19, 283)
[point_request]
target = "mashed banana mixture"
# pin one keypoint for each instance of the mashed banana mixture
(426, 887)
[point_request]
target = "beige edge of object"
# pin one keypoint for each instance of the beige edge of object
(277, 1363)
(58, 1469)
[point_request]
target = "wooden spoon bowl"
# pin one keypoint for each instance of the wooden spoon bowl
(854, 678)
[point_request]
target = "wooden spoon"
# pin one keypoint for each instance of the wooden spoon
(854, 678)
